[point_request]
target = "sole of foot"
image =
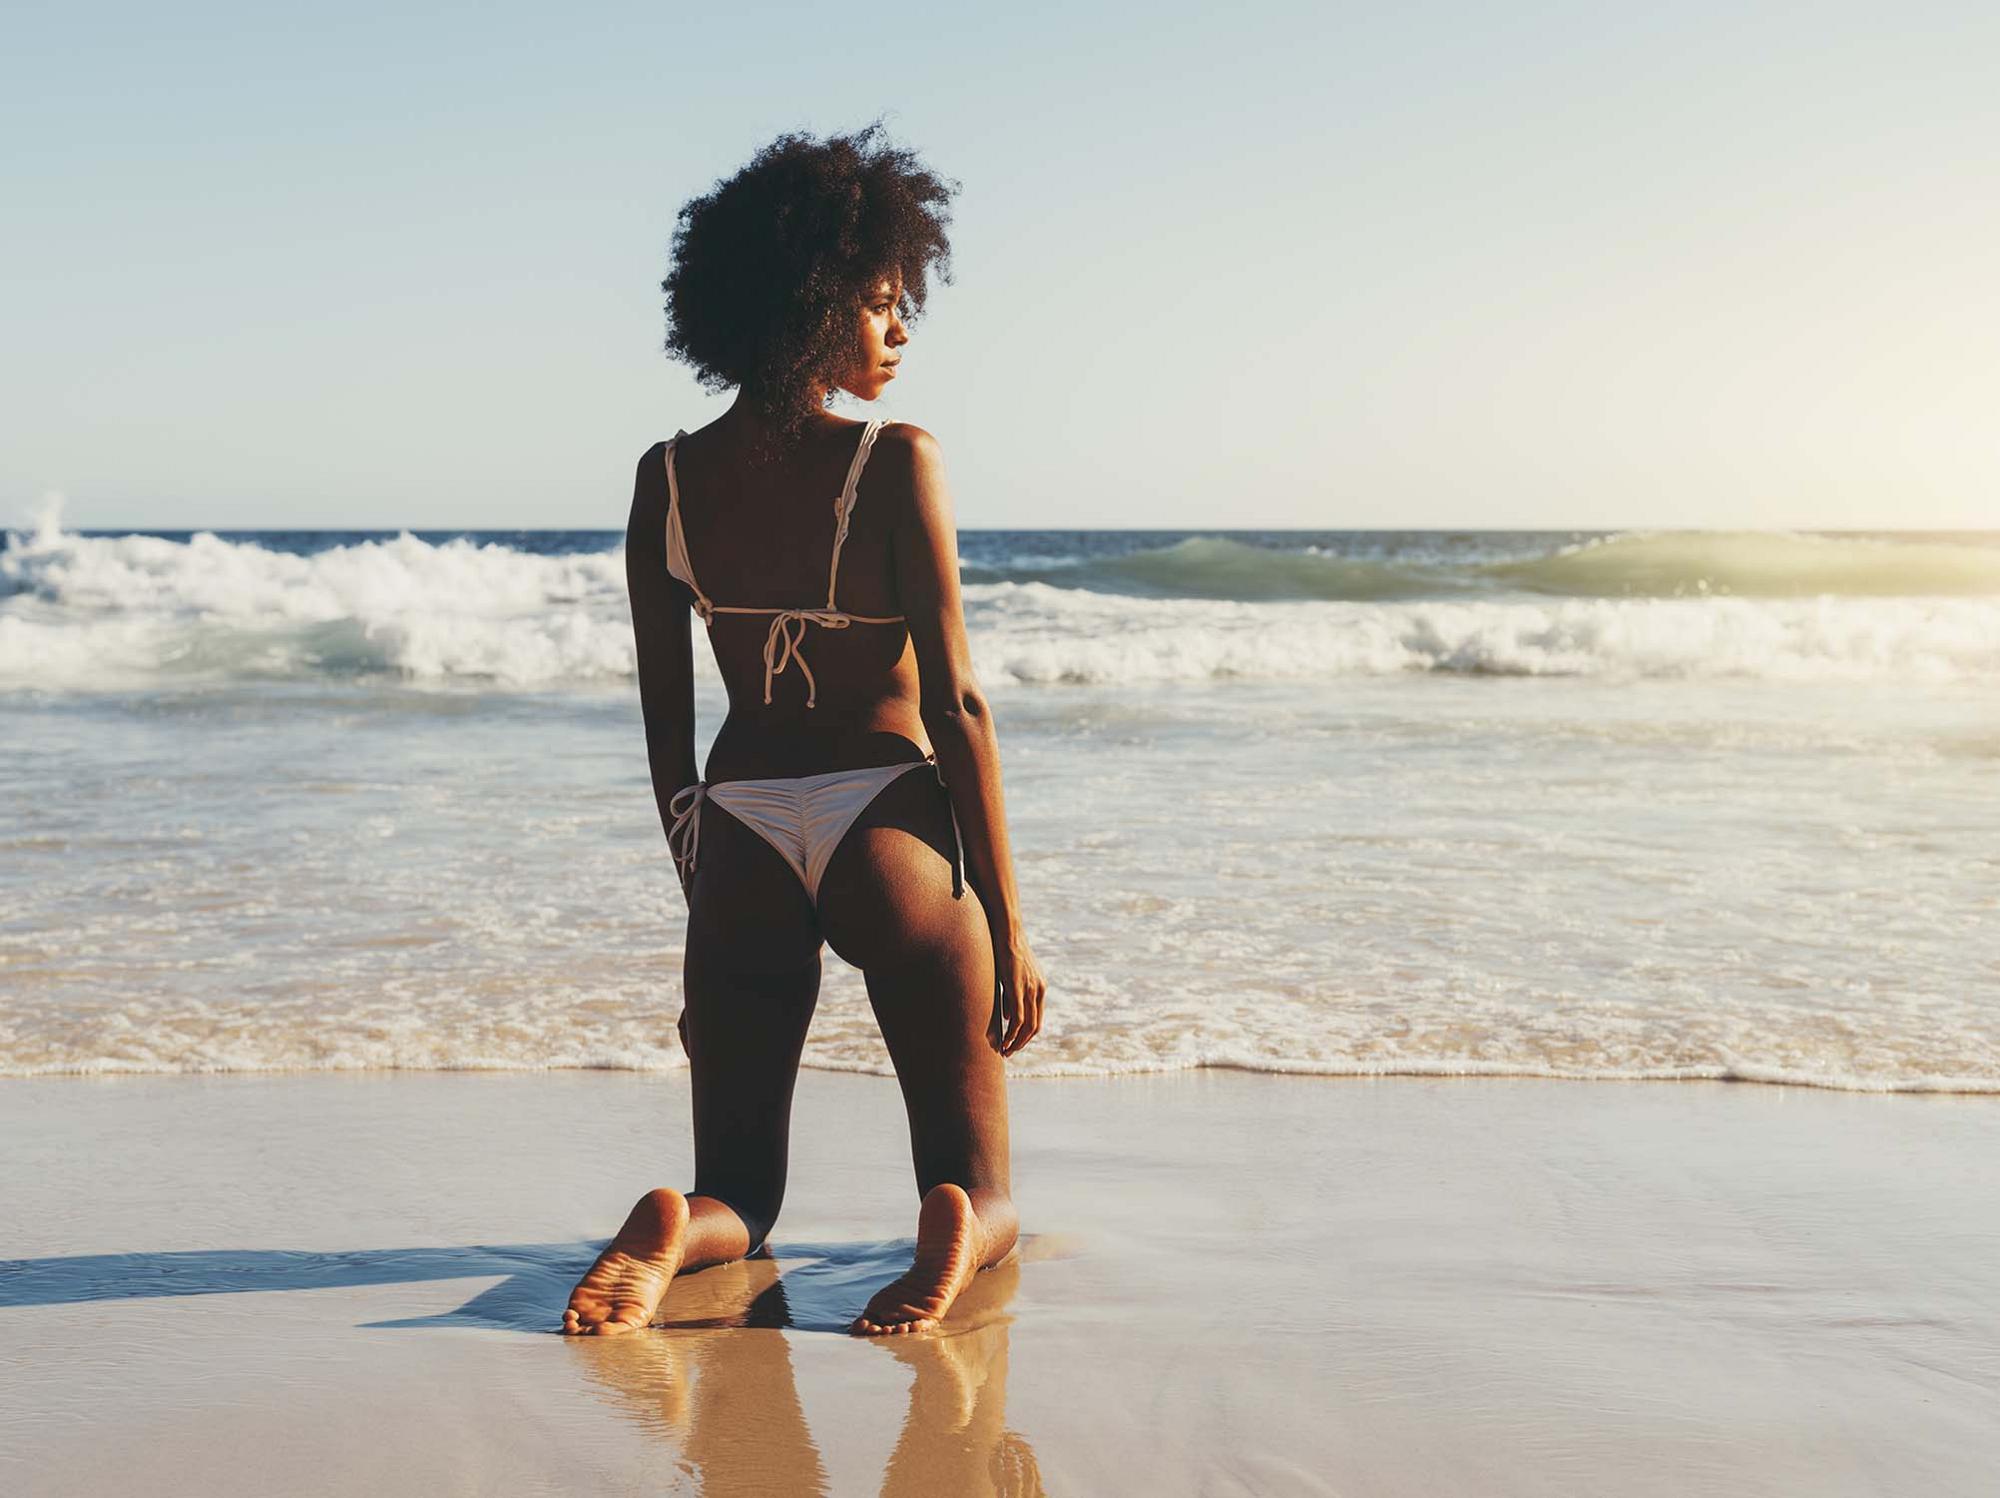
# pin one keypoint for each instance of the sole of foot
(623, 1289)
(947, 1258)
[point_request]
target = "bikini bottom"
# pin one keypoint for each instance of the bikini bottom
(804, 817)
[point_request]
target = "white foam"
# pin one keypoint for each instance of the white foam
(86, 613)
(1093, 1033)
(1031, 632)
(1586, 881)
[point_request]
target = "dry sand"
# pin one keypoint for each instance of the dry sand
(1234, 1284)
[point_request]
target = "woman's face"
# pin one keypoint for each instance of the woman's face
(878, 334)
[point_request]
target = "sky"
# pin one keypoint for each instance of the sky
(1312, 265)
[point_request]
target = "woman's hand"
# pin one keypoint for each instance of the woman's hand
(1017, 1012)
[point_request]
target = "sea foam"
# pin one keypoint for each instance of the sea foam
(82, 613)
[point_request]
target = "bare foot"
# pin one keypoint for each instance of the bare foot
(947, 1258)
(622, 1290)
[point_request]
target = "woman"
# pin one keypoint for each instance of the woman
(825, 815)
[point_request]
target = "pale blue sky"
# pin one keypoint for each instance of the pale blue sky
(1285, 265)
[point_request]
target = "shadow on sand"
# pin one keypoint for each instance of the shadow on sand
(229, 1271)
(825, 1285)
(714, 1377)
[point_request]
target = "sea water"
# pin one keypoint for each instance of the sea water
(1619, 805)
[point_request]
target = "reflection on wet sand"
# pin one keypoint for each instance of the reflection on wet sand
(715, 1378)
(955, 1439)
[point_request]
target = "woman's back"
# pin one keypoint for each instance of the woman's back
(804, 613)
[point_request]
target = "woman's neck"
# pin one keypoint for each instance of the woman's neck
(752, 427)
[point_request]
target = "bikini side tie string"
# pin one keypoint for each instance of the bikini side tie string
(957, 843)
(687, 825)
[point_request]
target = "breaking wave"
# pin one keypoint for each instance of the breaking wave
(1662, 564)
(83, 613)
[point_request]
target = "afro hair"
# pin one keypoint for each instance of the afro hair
(767, 266)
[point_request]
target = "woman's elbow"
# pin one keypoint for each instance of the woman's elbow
(962, 710)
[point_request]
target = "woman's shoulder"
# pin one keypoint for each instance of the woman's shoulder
(652, 469)
(910, 484)
(907, 439)
(649, 486)
(904, 455)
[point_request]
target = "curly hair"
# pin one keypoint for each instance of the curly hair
(768, 265)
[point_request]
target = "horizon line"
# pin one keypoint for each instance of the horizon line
(328, 530)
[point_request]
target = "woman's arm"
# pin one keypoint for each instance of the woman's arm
(662, 637)
(960, 722)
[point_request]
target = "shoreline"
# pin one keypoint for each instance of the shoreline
(1416, 1071)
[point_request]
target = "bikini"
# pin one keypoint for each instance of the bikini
(804, 817)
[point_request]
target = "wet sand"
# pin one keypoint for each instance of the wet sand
(1231, 1284)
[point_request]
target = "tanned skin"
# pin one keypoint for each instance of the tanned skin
(952, 981)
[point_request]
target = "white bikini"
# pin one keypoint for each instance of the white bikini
(804, 817)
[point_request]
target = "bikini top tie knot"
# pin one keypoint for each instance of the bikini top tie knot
(784, 643)
(788, 633)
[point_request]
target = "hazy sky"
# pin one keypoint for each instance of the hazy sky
(1286, 265)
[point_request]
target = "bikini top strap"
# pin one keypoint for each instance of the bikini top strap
(843, 507)
(677, 552)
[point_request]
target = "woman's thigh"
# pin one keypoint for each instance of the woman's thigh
(750, 984)
(886, 906)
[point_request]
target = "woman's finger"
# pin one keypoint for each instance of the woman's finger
(1034, 1012)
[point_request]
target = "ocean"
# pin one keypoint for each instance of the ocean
(1584, 805)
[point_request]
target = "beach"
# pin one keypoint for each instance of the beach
(1456, 601)
(1523, 1017)
(1228, 1284)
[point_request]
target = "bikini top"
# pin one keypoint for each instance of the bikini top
(785, 642)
